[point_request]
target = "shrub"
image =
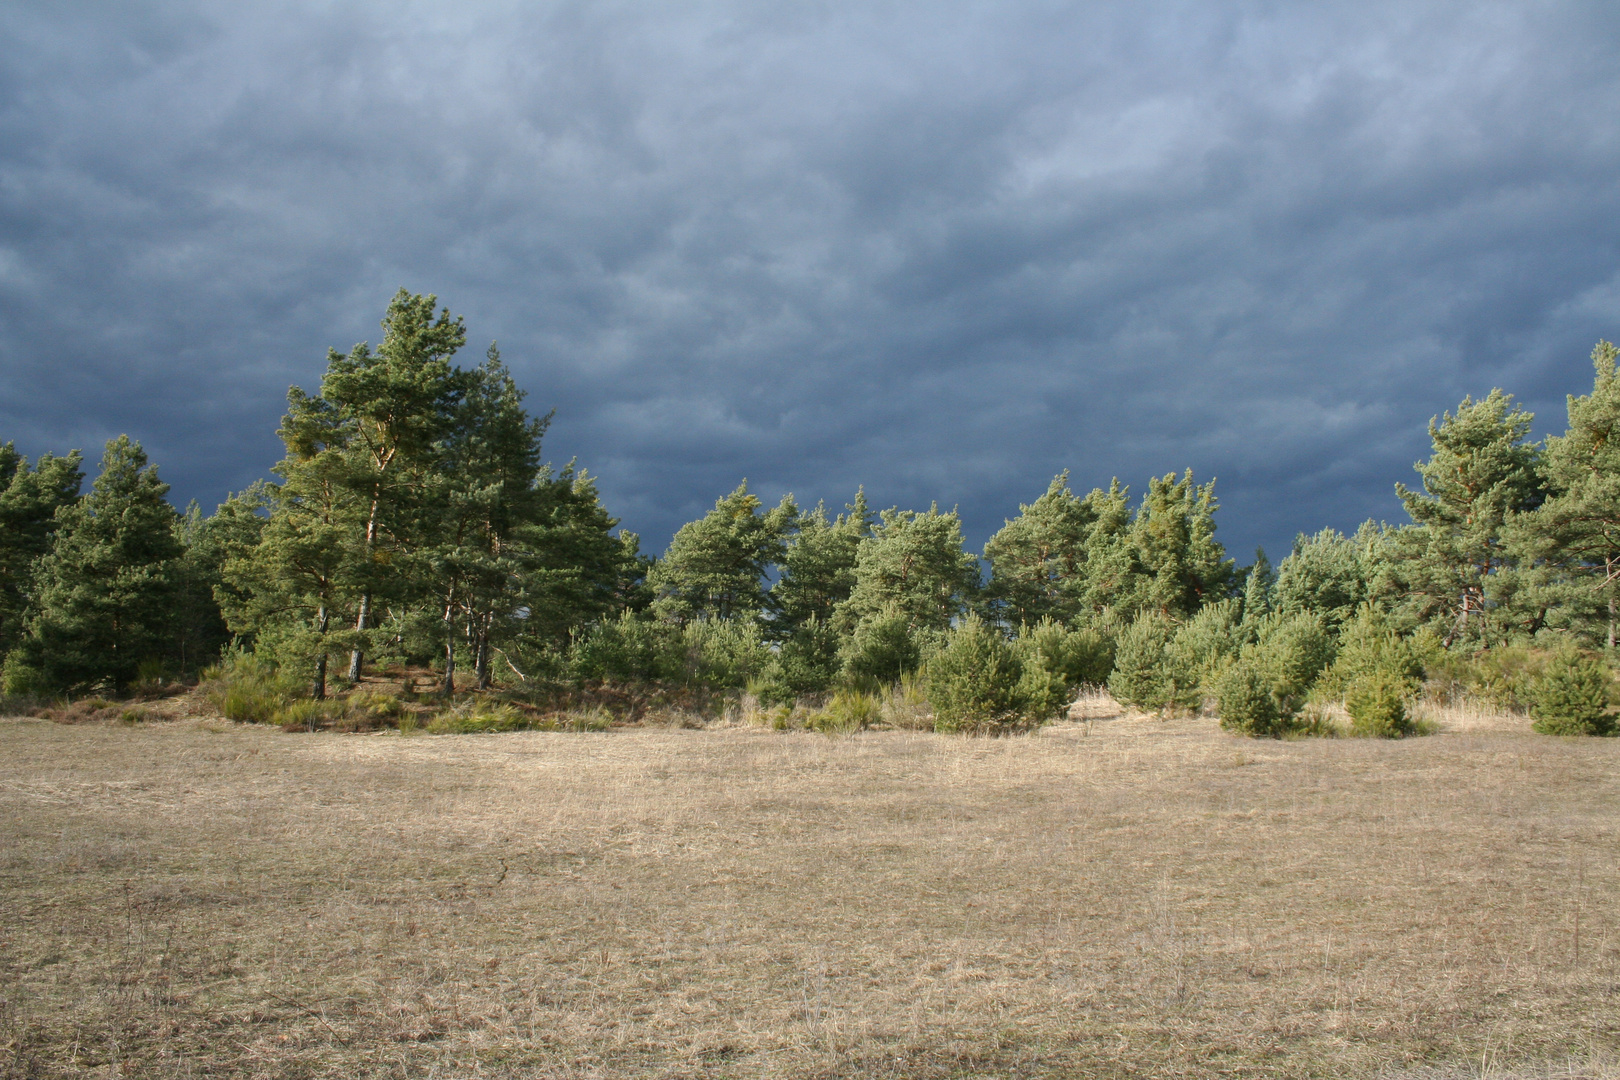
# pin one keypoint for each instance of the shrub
(1204, 645)
(806, 663)
(974, 680)
(245, 687)
(1077, 657)
(1572, 696)
(1368, 643)
(882, 647)
(307, 714)
(722, 653)
(627, 649)
(483, 717)
(846, 711)
(1146, 675)
(1294, 650)
(1246, 703)
(1377, 703)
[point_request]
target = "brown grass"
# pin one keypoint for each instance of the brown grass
(1107, 897)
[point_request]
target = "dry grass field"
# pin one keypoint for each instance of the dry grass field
(1125, 898)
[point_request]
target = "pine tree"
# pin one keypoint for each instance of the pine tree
(715, 567)
(1112, 575)
(29, 500)
(1324, 575)
(1182, 565)
(914, 564)
(304, 575)
(1259, 587)
(818, 567)
(104, 594)
(393, 406)
(468, 509)
(1037, 560)
(1568, 549)
(207, 543)
(1481, 471)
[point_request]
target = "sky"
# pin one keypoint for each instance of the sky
(942, 250)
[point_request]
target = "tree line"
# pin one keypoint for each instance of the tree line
(413, 520)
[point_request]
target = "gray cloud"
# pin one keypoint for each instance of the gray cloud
(941, 250)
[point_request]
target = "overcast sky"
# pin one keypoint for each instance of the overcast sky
(940, 249)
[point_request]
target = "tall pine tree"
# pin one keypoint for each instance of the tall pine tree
(30, 496)
(105, 590)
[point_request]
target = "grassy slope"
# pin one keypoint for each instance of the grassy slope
(1147, 899)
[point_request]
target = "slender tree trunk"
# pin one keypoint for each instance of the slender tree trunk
(449, 687)
(481, 663)
(357, 657)
(1611, 623)
(318, 691)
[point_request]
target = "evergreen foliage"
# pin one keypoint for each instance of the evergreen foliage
(883, 646)
(914, 564)
(1323, 574)
(715, 567)
(1568, 549)
(1146, 675)
(1205, 643)
(1038, 559)
(1377, 703)
(1245, 700)
(975, 681)
(1572, 696)
(1181, 564)
(1481, 471)
(104, 592)
(30, 497)
(818, 567)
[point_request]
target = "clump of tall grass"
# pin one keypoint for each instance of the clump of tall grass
(848, 710)
(246, 688)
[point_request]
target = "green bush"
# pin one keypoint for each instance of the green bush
(806, 663)
(722, 653)
(1080, 657)
(847, 711)
(307, 714)
(1367, 643)
(1204, 645)
(974, 681)
(1377, 703)
(19, 679)
(628, 649)
(882, 647)
(1571, 697)
(482, 717)
(1246, 703)
(248, 688)
(1146, 675)
(1294, 650)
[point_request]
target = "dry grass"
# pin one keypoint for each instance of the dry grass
(1108, 897)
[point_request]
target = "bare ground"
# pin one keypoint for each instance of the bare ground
(1120, 898)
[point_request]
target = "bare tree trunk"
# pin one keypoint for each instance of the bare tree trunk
(449, 687)
(357, 657)
(318, 691)
(481, 662)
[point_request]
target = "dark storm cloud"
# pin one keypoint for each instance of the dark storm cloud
(942, 250)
